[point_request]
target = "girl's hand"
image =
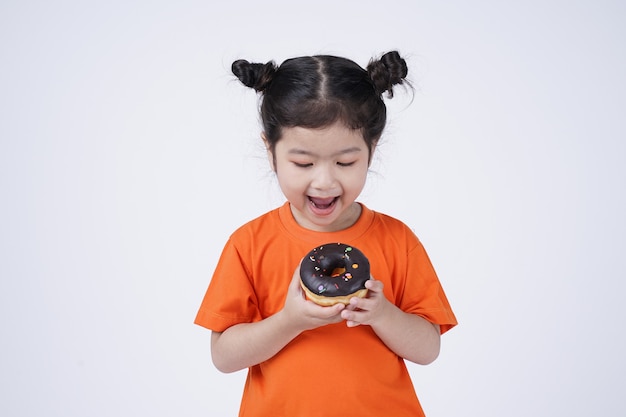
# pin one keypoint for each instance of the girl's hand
(408, 335)
(305, 314)
(367, 310)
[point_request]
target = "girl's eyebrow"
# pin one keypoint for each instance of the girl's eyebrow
(298, 151)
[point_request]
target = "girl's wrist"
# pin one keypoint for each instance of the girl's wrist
(286, 324)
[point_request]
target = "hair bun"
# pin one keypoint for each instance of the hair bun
(253, 75)
(389, 70)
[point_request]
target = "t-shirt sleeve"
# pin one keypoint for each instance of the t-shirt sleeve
(423, 294)
(230, 298)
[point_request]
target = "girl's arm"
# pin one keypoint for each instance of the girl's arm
(408, 335)
(247, 344)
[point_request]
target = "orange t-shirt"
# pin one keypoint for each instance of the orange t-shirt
(333, 370)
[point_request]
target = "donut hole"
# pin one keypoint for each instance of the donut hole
(338, 271)
(333, 265)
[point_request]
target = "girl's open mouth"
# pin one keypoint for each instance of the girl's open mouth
(322, 206)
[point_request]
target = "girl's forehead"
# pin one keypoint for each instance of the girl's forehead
(335, 137)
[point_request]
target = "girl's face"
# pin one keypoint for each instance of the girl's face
(322, 172)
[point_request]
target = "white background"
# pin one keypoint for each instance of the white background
(128, 154)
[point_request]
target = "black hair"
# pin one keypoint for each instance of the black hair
(317, 91)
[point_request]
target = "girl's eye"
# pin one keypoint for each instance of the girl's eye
(345, 164)
(303, 164)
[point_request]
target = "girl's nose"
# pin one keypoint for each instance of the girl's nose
(323, 178)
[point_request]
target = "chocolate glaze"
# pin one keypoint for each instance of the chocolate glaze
(319, 266)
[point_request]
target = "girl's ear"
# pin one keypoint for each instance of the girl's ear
(270, 155)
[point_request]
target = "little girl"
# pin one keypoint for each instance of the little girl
(322, 118)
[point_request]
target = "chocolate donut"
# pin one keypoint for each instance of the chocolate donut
(333, 273)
